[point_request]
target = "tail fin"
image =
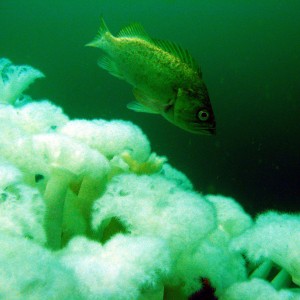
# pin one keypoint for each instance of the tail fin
(102, 30)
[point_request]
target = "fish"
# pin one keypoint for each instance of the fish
(166, 79)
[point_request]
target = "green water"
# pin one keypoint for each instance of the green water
(249, 54)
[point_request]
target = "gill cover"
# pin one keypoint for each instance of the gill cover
(193, 114)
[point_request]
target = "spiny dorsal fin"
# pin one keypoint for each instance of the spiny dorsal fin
(135, 30)
(177, 51)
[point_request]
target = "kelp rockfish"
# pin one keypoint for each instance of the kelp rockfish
(166, 79)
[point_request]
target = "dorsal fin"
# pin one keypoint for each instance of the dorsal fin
(135, 30)
(177, 51)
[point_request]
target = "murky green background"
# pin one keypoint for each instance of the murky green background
(249, 52)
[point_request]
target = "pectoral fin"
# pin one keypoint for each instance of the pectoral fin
(143, 103)
(138, 107)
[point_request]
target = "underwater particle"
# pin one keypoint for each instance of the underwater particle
(166, 79)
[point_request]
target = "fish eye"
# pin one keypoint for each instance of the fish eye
(203, 115)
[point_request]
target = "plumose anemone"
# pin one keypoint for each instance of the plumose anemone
(87, 211)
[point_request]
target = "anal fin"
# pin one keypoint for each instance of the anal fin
(109, 65)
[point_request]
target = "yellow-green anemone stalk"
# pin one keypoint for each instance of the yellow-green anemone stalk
(68, 161)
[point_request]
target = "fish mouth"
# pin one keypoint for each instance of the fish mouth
(211, 131)
(202, 131)
(198, 129)
(207, 131)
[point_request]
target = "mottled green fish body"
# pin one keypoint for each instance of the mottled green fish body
(165, 78)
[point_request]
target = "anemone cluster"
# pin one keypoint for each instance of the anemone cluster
(87, 211)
